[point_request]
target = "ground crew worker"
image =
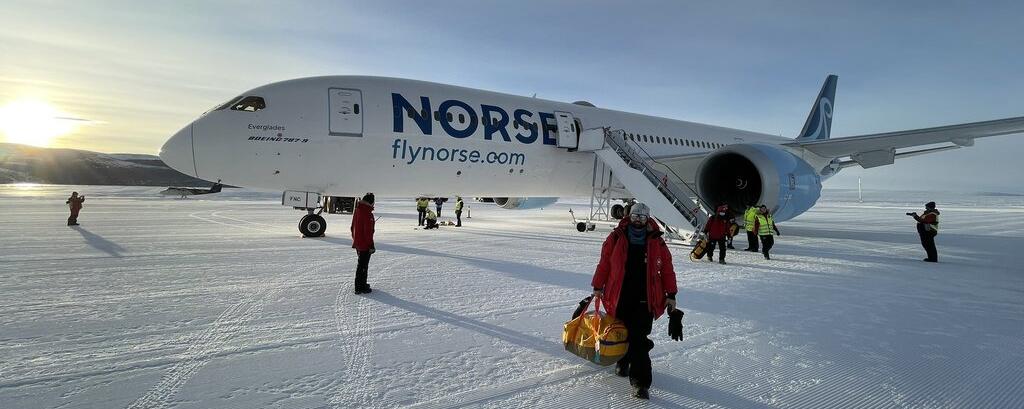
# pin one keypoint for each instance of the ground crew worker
(635, 281)
(421, 208)
(749, 218)
(362, 240)
(717, 229)
(75, 204)
(431, 219)
(458, 211)
(928, 228)
(764, 224)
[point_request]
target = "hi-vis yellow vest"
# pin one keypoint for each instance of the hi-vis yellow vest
(422, 203)
(748, 218)
(765, 224)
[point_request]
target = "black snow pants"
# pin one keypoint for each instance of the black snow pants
(721, 249)
(637, 362)
(458, 218)
(928, 242)
(423, 215)
(362, 269)
(751, 241)
(766, 245)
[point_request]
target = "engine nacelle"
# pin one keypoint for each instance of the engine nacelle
(522, 203)
(758, 173)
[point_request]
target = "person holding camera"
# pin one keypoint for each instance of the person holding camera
(928, 228)
(75, 204)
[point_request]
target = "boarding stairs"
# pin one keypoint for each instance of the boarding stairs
(671, 200)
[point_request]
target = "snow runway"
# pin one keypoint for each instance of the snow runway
(157, 302)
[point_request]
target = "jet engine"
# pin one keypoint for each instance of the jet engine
(741, 174)
(522, 203)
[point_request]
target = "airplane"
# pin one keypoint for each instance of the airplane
(185, 192)
(342, 136)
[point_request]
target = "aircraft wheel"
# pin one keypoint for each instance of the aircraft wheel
(581, 227)
(312, 225)
(618, 212)
(591, 227)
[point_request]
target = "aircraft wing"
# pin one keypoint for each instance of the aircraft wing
(878, 148)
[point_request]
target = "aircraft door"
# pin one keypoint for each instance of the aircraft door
(346, 112)
(567, 135)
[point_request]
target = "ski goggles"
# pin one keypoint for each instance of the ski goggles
(638, 218)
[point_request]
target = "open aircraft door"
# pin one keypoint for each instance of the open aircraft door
(568, 134)
(346, 117)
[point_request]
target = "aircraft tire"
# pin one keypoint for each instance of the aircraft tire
(618, 211)
(581, 227)
(312, 225)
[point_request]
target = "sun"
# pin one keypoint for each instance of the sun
(34, 122)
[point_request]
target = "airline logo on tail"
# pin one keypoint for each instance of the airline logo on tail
(819, 122)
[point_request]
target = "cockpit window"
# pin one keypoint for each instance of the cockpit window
(249, 104)
(226, 104)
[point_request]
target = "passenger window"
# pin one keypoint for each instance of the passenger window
(355, 109)
(249, 104)
(449, 114)
(462, 118)
(423, 113)
(437, 116)
(515, 125)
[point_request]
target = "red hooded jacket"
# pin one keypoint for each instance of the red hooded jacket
(717, 228)
(661, 276)
(362, 226)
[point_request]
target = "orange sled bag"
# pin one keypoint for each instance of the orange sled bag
(595, 336)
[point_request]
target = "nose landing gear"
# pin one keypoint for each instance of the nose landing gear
(312, 225)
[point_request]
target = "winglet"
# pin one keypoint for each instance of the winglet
(819, 121)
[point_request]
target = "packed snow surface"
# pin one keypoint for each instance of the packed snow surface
(216, 302)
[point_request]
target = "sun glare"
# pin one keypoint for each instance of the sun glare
(33, 122)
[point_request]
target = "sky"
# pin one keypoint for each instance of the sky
(132, 73)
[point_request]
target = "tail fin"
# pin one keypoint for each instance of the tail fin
(819, 122)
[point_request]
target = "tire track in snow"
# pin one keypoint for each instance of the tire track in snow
(210, 342)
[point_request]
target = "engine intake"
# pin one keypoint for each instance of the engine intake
(739, 175)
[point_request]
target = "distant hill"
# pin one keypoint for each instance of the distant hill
(30, 164)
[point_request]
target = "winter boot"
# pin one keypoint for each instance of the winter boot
(622, 370)
(641, 393)
(721, 261)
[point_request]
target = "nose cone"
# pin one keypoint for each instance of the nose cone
(178, 154)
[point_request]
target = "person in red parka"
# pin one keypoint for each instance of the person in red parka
(75, 203)
(717, 229)
(635, 281)
(362, 240)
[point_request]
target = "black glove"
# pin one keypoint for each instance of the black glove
(583, 306)
(675, 324)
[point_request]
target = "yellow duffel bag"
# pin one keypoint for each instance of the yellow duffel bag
(580, 333)
(699, 250)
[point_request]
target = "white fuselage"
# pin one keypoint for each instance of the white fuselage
(340, 136)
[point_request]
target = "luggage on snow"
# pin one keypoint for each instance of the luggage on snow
(580, 333)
